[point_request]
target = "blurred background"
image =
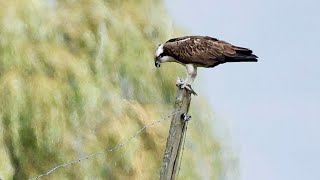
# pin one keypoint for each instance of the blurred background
(268, 111)
(77, 77)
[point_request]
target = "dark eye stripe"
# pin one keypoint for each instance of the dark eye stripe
(164, 53)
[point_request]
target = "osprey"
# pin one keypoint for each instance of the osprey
(200, 51)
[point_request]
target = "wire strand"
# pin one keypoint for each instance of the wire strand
(105, 150)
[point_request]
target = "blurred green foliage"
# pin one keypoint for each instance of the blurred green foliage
(79, 76)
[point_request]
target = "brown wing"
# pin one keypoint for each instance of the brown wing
(202, 50)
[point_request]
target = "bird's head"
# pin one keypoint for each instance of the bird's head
(158, 56)
(162, 55)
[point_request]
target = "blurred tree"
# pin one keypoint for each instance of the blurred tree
(77, 77)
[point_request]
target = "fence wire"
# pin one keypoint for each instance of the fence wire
(107, 150)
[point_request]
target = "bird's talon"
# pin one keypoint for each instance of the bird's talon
(189, 88)
(185, 117)
(182, 85)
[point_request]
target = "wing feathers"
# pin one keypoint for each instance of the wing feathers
(206, 51)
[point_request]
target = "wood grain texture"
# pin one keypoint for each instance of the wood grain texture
(170, 163)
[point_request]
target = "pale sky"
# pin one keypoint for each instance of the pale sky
(271, 108)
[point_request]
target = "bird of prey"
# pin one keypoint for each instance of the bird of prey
(200, 51)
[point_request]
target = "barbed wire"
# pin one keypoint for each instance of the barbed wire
(105, 150)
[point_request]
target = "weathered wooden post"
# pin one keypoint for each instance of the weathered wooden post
(172, 153)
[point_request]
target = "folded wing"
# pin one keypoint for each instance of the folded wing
(207, 51)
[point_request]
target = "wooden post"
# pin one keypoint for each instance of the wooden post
(170, 163)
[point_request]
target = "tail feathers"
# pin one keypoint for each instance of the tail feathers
(242, 58)
(242, 55)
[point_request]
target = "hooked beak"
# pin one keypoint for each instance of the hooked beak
(157, 63)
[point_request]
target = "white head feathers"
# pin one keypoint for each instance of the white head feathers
(159, 50)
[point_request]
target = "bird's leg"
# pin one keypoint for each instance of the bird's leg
(190, 70)
(191, 75)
